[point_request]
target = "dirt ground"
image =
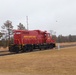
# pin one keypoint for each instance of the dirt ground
(46, 62)
(3, 49)
(70, 43)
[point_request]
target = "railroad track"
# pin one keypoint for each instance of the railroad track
(6, 52)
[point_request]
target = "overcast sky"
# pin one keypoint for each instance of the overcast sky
(56, 15)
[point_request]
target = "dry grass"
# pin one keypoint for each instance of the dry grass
(49, 62)
(3, 49)
(70, 43)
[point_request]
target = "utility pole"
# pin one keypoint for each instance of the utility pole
(27, 22)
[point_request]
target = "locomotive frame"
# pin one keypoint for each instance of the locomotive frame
(28, 40)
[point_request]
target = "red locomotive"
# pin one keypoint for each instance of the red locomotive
(28, 40)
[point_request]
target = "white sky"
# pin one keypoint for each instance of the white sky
(56, 15)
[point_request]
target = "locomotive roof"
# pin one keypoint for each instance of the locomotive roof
(29, 31)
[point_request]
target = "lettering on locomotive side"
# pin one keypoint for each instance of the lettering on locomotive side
(29, 36)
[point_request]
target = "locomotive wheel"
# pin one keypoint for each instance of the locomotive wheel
(14, 48)
(17, 50)
(31, 48)
(40, 47)
(48, 46)
(52, 46)
(27, 48)
(24, 49)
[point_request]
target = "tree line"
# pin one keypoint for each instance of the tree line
(6, 37)
(64, 39)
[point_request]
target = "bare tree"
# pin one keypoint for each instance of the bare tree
(8, 26)
(21, 27)
(1, 34)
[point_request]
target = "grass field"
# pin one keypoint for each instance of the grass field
(70, 43)
(48, 62)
